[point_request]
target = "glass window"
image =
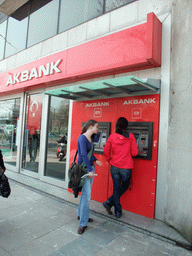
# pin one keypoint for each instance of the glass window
(75, 12)
(16, 36)
(43, 22)
(57, 138)
(3, 26)
(111, 5)
(31, 140)
(9, 129)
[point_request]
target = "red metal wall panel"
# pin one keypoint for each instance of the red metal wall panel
(141, 199)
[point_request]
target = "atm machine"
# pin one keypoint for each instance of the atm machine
(143, 132)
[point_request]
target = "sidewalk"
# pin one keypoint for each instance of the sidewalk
(34, 222)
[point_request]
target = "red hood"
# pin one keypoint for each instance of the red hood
(119, 139)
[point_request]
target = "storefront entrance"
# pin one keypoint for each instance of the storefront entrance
(53, 117)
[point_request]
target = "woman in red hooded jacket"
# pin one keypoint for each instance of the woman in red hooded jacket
(118, 151)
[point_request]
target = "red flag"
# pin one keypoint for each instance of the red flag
(34, 113)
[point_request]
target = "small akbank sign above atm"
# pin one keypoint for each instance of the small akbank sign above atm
(139, 101)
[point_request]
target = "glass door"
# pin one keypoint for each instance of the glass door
(32, 132)
(57, 137)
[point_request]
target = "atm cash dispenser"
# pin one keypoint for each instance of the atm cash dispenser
(143, 132)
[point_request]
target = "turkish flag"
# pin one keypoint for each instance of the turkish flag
(34, 113)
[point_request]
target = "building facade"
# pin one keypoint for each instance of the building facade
(61, 64)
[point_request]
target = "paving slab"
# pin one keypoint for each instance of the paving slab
(80, 247)
(58, 238)
(34, 248)
(3, 252)
(122, 246)
(15, 239)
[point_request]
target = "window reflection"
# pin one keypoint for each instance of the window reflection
(16, 36)
(9, 129)
(43, 22)
(57, 138)
(74, 12)
(2, 38)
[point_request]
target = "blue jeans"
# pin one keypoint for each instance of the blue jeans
(83, 208)
(121, 180)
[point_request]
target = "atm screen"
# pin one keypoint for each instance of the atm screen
(143, 132)
(103, 132)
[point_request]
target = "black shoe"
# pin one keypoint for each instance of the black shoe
(81, 230)
(89, 220)
(118, 214)
(108, 209)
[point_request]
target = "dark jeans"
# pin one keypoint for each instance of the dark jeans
(121, 180)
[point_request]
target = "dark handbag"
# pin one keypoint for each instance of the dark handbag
(5, 189)
(76, 171)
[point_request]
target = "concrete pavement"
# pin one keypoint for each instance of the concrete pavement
(33, 223)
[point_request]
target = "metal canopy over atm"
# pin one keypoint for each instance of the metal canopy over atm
(128, 85)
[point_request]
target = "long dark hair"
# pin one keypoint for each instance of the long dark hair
(88, 124)
(121, 125)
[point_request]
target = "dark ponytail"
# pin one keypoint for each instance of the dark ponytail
(89, 123)
(121, 125)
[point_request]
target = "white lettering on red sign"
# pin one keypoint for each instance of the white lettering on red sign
(139, 101)
(16, 78)
(34, 73)
(99, 104)
(24, 76)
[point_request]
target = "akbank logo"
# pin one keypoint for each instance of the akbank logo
(34, 73)
(99, 104)
(97, 112)
(139, 101)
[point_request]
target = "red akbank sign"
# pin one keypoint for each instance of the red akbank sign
(33, 75)
(134, 48)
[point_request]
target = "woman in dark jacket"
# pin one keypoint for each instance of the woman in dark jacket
(118, 151)
(2, 166)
